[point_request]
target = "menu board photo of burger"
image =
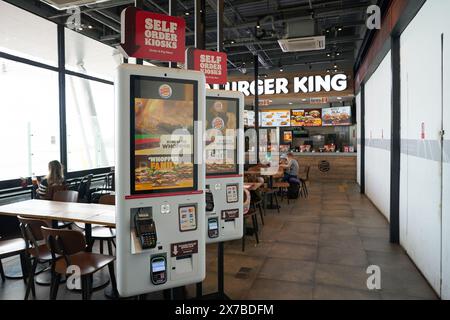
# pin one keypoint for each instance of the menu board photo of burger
(337, 116)
(221, 145)
(297, 118)
(275, 118)
(313, 118)
(163, 123)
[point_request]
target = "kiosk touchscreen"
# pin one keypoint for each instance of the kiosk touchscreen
(224, 165)
(160, 198)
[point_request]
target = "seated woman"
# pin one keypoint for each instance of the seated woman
(54, 181)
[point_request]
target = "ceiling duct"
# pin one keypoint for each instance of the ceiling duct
(67, 4)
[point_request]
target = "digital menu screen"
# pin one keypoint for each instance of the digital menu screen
(221, 136)
(337, 116)
(162, 126)
(313, 118)
(297, 118)
(249, 118)
(306, 118)
(275, 118)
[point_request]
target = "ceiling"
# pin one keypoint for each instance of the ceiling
(341, 21)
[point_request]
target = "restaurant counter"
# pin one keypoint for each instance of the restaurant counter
(330, 166)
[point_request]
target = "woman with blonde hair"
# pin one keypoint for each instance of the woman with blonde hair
(54, 180)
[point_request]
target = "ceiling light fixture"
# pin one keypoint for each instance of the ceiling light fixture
(187, 13)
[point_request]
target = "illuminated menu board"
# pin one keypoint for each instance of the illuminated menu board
(275, 118)
(306, 118)
(338, 116)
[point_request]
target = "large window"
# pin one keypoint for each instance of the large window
(31, 128)
(90, 124)
(29, 121)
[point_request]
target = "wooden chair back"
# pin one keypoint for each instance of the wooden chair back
(66, 196)
(107, 199)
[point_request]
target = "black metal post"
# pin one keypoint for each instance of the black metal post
(363, 141)
(220, 246)
(256, 74)
(395, 142)
(172, 12)
(62, 97)
(200, 27)
(140, 5)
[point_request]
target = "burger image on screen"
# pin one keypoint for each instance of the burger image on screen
(156, 117)
(315, 114)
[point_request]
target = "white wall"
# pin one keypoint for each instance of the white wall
(421, 175)
(378, 133)
(358, 137)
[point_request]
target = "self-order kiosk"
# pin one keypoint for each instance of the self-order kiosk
(224, 165)
(160, 198)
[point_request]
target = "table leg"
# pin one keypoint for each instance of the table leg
(88, 235)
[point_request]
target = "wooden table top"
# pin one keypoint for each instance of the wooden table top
(91, 213)
(252, 186)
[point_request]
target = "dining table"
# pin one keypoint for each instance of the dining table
(87, 213)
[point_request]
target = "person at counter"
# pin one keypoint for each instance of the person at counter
(291, 168)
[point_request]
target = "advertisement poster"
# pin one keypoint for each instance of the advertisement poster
(297, 118)
(313, 118)
(163, 130)
(153, 36)
(338, 116)
(212, 63)
(275, 118)
(287, 136)
(221, 144)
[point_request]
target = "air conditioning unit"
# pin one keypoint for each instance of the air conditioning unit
(302, 44)
(66, 4)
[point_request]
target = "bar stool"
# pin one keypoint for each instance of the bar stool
(70, 245)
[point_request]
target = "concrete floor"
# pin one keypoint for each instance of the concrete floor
(316, 248)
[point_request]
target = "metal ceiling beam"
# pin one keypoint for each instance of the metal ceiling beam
(105, 21)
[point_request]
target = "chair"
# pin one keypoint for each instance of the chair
(249, 213)
(84, 189)
(102, 233)
(305, 178)
(71, 246)
(282, 189)
(65, 196)
(37, 252)
(10, 248)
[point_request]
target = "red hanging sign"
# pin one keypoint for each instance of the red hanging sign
(153, 36)
(212, 63)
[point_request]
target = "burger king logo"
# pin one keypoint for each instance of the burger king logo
(218, 106)
(165, 91)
